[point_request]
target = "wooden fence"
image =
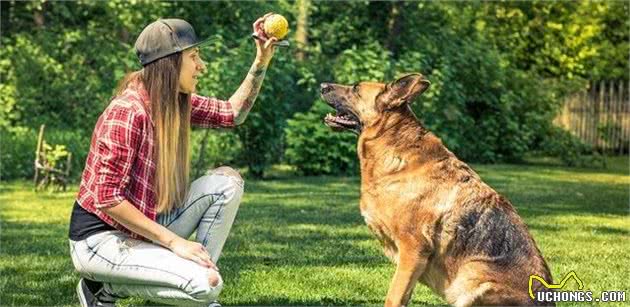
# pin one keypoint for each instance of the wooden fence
(599, 116)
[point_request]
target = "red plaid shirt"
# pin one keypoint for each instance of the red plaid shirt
(120, 165)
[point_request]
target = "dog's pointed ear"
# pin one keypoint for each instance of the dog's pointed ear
(406, 88)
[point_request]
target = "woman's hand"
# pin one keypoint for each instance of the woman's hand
(192, 251)
(265, 46)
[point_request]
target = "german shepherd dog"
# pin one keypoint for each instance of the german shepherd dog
(435, 217)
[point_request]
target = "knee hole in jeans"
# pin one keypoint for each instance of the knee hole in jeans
(209, 289)
(227, 171)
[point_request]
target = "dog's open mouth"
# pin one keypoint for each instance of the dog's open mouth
(343, 119)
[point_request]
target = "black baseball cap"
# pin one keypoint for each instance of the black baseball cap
(164, 37)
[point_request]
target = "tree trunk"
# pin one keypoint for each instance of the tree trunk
(394, 25)
(37, 161)
(301, 32)
(38, 16)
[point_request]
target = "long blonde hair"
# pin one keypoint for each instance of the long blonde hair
(170, 111)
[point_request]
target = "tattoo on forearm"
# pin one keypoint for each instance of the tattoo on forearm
(247, 104)
(244, 98)
(257, 72)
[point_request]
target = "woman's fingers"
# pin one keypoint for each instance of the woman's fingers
(270, 42)
(208, 262)
(258, 27)
(204, 258)
(193, 251)
(260, 21)
(199, 261)
(258, 24)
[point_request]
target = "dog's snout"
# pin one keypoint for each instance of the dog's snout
(326, 87)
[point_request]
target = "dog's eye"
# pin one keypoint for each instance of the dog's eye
(355, 88)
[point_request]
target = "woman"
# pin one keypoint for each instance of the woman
(135, 208)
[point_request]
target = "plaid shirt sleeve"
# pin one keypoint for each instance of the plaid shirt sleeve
(211, 112)
(116, 144)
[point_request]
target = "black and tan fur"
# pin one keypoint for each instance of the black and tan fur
(437, 220)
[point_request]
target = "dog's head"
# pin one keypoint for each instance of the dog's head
(362, 104)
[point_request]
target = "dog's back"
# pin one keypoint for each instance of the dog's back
(493, 253)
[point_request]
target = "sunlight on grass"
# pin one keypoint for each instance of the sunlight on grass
(302, 241)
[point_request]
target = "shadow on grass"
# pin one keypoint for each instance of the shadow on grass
(329, 200)
(605, 230)
(325, 203)
(289, 222)
(34, 239)
(568, 198)
(546, 227)
(304, 250)
(614, 165)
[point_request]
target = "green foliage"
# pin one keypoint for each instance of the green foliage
(483, 104)
(17, 153)
(55, 154)
(314, 149)
(220, 149)
(18, 146)
(499, 69)
(365, 62)
(483, 107)
(71, 62)
(571, 151)
(262, 132)
(551, 40)
(311, 146)
(612, 44)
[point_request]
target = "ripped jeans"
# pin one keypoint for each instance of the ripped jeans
(129, 267)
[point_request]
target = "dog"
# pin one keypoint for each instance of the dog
(435, 217)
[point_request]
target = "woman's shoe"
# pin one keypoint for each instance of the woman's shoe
(92, 294)
(214, 304)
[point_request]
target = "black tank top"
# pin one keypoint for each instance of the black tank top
(84, 224)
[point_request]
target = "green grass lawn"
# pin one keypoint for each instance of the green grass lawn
(302, 241)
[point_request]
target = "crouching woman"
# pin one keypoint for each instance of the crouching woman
(135, 209)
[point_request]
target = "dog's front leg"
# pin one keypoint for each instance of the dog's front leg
(411, 265)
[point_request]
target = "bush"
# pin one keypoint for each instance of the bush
(17, 153)
(571, 151)
(18, 146)
(315, 149)
(221, 148)
(493, 93)
(482, 108)
(262, 132)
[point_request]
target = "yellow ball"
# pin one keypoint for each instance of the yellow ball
(276, 26)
